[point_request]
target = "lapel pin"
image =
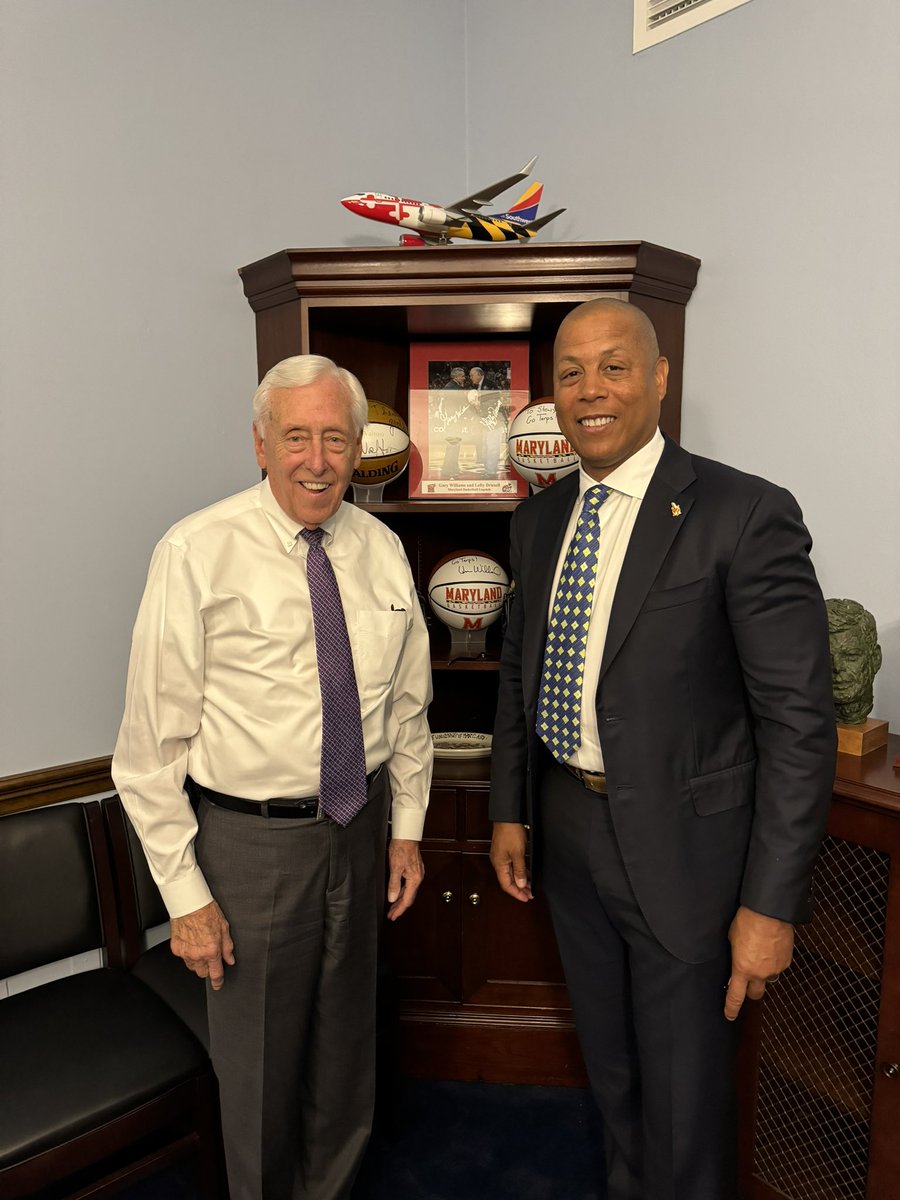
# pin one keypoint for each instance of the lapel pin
(676, 509)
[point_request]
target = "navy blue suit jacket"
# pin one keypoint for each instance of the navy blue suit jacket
(714, 700)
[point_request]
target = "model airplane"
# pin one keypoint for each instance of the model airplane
(433, 224)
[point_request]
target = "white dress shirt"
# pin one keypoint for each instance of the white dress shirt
(628, 485)
(223, 682)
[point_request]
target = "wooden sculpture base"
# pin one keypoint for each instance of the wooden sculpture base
(862, 739)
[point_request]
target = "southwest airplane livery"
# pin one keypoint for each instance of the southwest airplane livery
(433, 224)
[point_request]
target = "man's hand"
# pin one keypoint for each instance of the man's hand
(761, 948)
(202, 939)
(407, 872)
(508, 859)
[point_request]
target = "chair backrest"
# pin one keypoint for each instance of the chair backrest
(56, 897)
(141, 906)
(151, 909)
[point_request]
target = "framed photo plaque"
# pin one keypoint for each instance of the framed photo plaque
(462, 397)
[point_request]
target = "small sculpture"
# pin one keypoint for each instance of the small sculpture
(855, 659)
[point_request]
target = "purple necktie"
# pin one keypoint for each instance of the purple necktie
(342, 771)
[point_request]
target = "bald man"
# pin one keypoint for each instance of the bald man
(665, 727)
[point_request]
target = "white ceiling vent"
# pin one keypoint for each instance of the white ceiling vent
(656, 20)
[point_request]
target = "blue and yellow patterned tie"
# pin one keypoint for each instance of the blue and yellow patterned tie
(559, 700)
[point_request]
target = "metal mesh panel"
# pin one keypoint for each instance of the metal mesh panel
(819, 1029)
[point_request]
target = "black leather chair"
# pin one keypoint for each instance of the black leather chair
(101, 1083)
(141, 908)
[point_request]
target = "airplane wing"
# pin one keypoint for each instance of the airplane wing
(471, 204)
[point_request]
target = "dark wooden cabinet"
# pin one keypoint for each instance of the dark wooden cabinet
(478, 974)
(820, 1070)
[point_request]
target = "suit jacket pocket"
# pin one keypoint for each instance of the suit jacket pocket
(685, 593)
(720, 791)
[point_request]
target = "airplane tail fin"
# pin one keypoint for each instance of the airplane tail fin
(525, 208)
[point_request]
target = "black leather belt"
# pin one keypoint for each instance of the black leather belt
(304, 809)
(592, 780)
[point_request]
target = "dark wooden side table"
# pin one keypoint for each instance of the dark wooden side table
(820, 1071)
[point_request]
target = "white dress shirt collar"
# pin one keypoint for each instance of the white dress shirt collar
(286, 528)
(632, 477)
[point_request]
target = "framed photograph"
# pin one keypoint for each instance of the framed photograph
(657, 20)
(462, 397)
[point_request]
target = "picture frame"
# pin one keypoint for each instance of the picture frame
(462, 398)
(657, 20)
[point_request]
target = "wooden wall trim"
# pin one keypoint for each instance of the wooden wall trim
(68, 781)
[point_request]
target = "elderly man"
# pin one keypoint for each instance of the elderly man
(280, 675)
(665, 726)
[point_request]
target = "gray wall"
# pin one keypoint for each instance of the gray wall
(150, 147)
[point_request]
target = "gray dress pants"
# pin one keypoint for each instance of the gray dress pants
(292, 1031)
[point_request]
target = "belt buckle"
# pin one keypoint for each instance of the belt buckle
(300, 810)
(594, 781)
(303, 810)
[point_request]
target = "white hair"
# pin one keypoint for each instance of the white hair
(300, 371)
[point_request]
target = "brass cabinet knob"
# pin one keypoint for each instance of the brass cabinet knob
(446, 897)
(474, 899)
(890, 1070)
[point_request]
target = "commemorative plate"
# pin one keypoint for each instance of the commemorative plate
(461, 745)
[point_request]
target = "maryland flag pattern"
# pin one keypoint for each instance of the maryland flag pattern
(510, 226)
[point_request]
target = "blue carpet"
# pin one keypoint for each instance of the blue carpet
(479, 1141)
(464, 1141)
(174, 1183)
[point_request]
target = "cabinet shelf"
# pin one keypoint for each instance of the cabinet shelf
(439, 507)
(465, 664)
(468, 771)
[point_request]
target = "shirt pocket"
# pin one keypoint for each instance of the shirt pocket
(378, 644)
